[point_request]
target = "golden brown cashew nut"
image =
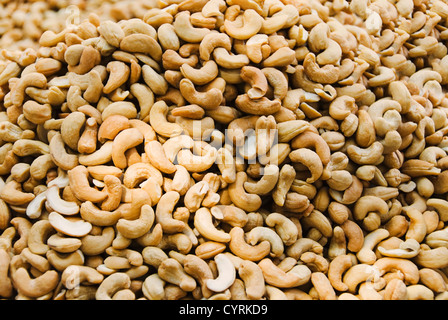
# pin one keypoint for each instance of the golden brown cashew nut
(226, 165)
(211, 41)
(6, 284)
(35, 287)
(118, 75)
(230, 214)
(73, 276)
(417, 227)
(200, 270)
(251, 24)
(406, 249)
(366, 254)
(136, 228)
(311, 160)
(266, 183)
(200, 159)
(238, 195)
(336, 269)
(123, 141)
(373, 154)
(80, 185)
(285, 227)
(33, 79)
(277, 277)
(309, 139)
(173, 272)
(256, 79)
(255, 45)
(242, 249)
(323, 287)
(97, 241)
(367, 206)
(360, 273)
(432, 258)
(262, 106)
(159, 122)
(229, 61)
(157, 157)
(208, 100)
(259, 234)
(203, 222)
(164, 211)
(12, 194)
(111, 285)
(407, 267)
(142, 43)
(153, 287)
(206, 73)
(327, 74)
(186, 31)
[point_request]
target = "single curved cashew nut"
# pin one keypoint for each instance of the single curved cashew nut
(285, 227)
(242, 249)
(58, 204)
(208, 100)
(211, 41)
(159, 122)
(59, 154)
(203, 222)
(336, 269)
(153, 287)
(309, 139)
(94, 215)
(118, 75)
(33, 79)
(124, 140)
(80, 185)
(256, 79)
(203, 75)
(164, 210)
(35, 287)
(226, 274)
(261, 106)
(77, 228)
(172, 271)
(370, 155)
(275, 276)
(407, 249)
(157, 157)
(200, 270)
(142, 43)
(73, 276)
(251, 24)
(111, 285)
(266, 183)
(259, 234)
(366, 254)
(253, 279)
(407, 267)
(238, 195)
(327, 74)
(136, 228)
(432, 258)
(186, 31)
(311, 160)
(360, 273)
(12, 194)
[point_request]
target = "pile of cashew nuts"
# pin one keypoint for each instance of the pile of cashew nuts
(224, 150)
